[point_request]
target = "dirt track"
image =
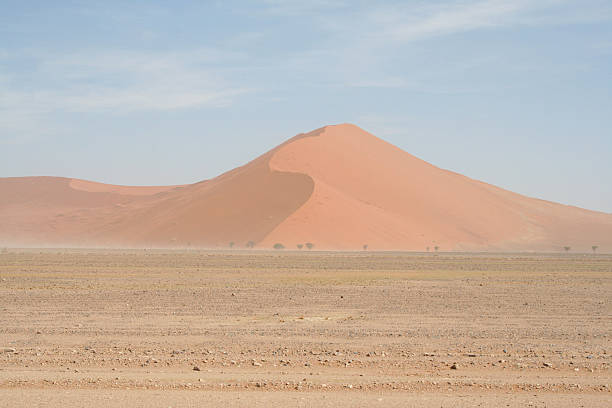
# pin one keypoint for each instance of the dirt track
(179, 328)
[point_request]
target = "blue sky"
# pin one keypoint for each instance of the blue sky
(517, 93)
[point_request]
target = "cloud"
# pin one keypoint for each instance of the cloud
(400, 22)
(365, 43)
(301, 7)
(116, 82)
(128, 81)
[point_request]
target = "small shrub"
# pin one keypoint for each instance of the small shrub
(300, 246)
(594, 248)
(436, 248)
(365, 247)
(567, 248)
(279, 246)
(309, 245)
(250, 244)
(231, 244)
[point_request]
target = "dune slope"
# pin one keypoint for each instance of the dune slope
(338, 187)
(370, 192)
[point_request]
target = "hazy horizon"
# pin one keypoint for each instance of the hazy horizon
(513, 93)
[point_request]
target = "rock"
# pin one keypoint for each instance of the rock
(547, 365)
(454, 366)
(8, 350)
(196, 368)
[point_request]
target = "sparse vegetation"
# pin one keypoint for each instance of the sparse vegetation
(300, 246)
(278, 245)
(309, 245)
(594, 248)
(250, 244)
(567, 248)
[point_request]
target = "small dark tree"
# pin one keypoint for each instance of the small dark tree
(309, 245)
(567, 248)
(278, 245)
(231, 244)
(300, 246)
(365, 247)
(594, 248)
(250, 244)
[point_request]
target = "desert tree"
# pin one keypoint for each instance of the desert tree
(250, 244)
(594, 248)
(309, 245)
(300, 246)
(278, 245)
(567, 248)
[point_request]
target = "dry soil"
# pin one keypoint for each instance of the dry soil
(102, 328)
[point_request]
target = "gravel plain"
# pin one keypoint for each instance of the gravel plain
(288, 328)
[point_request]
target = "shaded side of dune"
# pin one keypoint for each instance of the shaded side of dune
(240, 206)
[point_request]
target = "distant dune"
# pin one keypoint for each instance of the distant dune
(338, 187)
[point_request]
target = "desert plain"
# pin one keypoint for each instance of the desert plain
(195, 328)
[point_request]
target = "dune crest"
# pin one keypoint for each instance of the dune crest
(338, 187)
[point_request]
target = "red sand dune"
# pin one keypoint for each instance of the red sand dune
(338, 187)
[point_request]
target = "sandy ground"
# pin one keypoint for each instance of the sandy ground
(179, 329)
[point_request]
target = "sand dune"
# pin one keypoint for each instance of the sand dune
(338, 187)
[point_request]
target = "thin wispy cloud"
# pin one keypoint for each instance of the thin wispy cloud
(300, 7)
(112, 82)
(363, 41)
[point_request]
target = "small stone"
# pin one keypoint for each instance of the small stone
(454, 366)
(547, 365)
(8, 350)
(196, 368)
